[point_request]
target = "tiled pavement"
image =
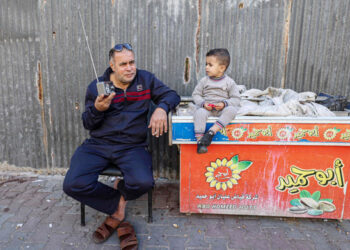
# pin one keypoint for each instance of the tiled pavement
(35, 214)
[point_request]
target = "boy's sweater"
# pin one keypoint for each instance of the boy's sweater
(213, 91)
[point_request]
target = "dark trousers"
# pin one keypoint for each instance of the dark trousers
(90, 159)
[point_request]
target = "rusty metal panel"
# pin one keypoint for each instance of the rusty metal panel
(319, 52)
(46, 68)
(20, 106)
(252, 32)
(165, 158)
(164, 36)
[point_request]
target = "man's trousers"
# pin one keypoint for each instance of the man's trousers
(90, 159)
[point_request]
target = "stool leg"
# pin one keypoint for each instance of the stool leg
(150, 216)
(82, 214)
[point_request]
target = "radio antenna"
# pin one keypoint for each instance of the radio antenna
(86, 39)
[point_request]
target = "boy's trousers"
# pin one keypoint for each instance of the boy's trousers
(90, 159)
(201, 115)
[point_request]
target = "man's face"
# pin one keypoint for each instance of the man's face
(213, 68)
(123, 65)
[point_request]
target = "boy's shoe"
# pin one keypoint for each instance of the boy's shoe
(207, 138)
(201, 149)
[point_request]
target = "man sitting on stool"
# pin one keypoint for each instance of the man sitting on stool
(118, 132)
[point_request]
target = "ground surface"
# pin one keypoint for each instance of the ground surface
(35, 214)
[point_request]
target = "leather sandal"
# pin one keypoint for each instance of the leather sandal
(127, 236)
(106, 229)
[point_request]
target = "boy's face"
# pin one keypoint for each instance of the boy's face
(213, 68)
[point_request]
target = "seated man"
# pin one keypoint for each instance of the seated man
(118, 131)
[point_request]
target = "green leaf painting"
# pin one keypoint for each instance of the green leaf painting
(243, 165)
(305, 194)
(295, 202)
(234, 159)
(316, 196)
(311, 204)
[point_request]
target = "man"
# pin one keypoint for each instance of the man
(118, 130)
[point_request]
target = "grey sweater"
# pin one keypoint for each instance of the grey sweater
(224, 90)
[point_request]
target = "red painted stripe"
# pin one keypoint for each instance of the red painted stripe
(145, 97)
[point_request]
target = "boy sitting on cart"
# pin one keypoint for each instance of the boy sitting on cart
(216, 94)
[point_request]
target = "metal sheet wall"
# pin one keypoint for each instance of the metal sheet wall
(319, 54)
(45, 66)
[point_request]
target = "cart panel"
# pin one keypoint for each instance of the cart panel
(273, 180)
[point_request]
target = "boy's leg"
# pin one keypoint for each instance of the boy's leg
(226, 116)
(200, 120)
(81, 181)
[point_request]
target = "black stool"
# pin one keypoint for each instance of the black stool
(114, 171)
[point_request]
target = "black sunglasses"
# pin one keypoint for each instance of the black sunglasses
(119, 47)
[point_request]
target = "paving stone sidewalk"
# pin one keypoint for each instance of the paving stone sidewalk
(35, 214)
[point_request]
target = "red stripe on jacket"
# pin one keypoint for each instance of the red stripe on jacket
(139, 98)
(139, 92)
(118, 100)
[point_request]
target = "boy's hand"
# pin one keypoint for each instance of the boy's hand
(219, 106)
(208, 106)
(103, 102)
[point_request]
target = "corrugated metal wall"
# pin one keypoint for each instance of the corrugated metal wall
(45, 66)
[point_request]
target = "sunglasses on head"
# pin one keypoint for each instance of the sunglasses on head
(120, 46)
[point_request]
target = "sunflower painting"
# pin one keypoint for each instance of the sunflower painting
(223, 174)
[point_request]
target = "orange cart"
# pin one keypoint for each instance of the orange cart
(273, 166)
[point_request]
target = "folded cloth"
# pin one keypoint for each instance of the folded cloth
(281, 102)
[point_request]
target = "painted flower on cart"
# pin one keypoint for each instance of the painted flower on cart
(223, 173)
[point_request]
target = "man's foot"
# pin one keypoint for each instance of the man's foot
(127, 236)
(111, 223)
(105, 230)
(201, 149)
(207, 138)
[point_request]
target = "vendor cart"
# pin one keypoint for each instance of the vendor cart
(271, 166)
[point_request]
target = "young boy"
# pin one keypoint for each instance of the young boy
(215, 95)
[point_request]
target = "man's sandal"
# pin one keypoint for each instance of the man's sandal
(106, 229)
(127, 236)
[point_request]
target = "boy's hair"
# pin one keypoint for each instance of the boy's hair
(222, 55)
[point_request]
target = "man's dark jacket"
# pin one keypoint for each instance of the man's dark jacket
(125, 121)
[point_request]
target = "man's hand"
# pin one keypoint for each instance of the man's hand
(103, 102)
(208, 106)
(158, 122)
(219, 106)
